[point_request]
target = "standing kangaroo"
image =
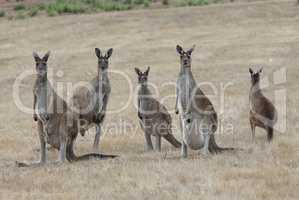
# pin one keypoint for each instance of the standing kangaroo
(262, 112)
(57, 123)
(154, 117)
(92, 104)
(198, 119)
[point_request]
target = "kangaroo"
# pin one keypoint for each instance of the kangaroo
(154, 117)
(198, 118)
(97, 98)
(262, 112)
(57, 124)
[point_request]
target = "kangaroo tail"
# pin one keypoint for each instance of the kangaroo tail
(171, 139)
(214, 148)
(71, 157)
(270, 134)
(94, 156)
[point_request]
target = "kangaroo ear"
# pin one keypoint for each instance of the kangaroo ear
(36, 57)
(147, 71)
(138, 72)
(46, 57)
(251, 71)
(261, 70)
(98, 52)
(179, 49)
(109, 52)
(191, 50)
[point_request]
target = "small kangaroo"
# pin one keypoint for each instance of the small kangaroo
(57, 124)
(262, 112)
(198, 118)
(97, 98)
(154, 117)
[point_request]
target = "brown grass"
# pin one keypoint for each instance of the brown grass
(229, 38)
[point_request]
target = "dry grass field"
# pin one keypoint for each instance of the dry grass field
(229, 38)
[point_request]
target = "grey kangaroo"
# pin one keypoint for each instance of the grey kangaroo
(262, 112)
(154, 117)
(57, 124)
(92, 103)
(198, 118)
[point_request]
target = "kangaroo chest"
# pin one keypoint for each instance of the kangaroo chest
(186, 87)
(254, 99)
(101, 96)
(42, 100)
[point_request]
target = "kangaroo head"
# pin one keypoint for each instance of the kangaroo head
(103, 58)
(185, 56)
(142, 76)
(255, 76)
(41, 63)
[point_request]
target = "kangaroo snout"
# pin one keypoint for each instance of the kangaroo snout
(47, 117)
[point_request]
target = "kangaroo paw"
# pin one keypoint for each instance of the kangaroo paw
(21, 164)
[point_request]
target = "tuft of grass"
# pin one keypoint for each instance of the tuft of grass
(198, 2)
(21, 15)
(146, 3)
(117, 5)
(19, 7)
(51, 12)
(195, 2)
(108, 5)
(41, 6)
(165, 2)
(33, 11)
(139, 2)
(64, 6)
(2, 13)
(181, 3)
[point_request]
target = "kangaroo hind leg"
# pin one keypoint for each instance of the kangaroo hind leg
(158, 143)
(63, 146)
(252, 125)
(206, 137)
(184, 150)
(148, 140)
(97, 138)
(62, 152)
(42, 151)
(269, 134)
